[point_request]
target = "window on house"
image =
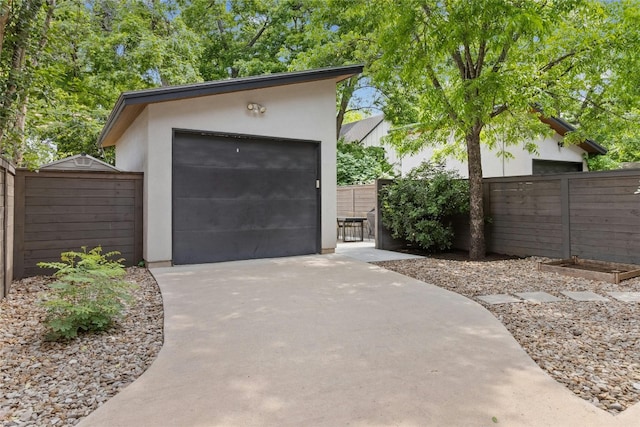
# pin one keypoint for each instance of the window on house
(542, 167)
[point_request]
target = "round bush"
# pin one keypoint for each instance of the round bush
(419, 208)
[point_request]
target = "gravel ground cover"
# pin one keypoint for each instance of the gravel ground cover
(593, 348)
(59, 383)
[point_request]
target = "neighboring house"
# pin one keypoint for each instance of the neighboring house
(553, 155)
(78, 162)
(233, 169)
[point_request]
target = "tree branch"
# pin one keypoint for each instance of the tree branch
(258, 34)
(504, 53)
(347, 92)
(499, 110)
(557, 61)
(457, 57)
(482, 51)
(427, 10)
(436, 84)
(586, 101)
(471, 69)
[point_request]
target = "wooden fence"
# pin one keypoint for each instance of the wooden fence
(7, 176)
(59, 211)
(593, 215)
(356, 200)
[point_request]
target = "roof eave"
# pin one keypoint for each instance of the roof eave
(111, 120)
(562, 127)
(164, 94)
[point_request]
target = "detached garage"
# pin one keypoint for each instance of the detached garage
(233, 169)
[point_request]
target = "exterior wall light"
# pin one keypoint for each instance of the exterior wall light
(257, 108)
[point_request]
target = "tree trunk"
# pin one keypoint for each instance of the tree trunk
(18, 132)
(14, 84)
(476, 212)
(5, 10)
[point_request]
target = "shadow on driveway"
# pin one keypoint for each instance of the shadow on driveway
(331, 341)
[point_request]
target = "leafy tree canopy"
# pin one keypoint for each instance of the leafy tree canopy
(465, 73)
(468, 70)
(361, 165)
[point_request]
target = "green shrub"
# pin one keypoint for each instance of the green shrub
(419, 208)
(88, 295)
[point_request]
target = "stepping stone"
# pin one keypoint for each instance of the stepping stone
(538, 297)
(584, 296)
(498, 299)
(626, 296)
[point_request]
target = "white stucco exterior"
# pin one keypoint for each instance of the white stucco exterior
(492, 165)
(297, 111)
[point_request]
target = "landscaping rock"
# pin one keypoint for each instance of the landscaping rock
(592, 347)
(59, 383)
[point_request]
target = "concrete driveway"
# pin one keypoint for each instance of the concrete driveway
(332, 341)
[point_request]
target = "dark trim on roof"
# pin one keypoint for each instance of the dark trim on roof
(173, 93)
(562, 127)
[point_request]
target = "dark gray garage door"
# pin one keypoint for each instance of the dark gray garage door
(238, 197)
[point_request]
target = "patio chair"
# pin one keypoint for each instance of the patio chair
(371, 224)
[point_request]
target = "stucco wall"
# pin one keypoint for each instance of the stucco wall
(497, 166)
(300, 111)
(131, 150)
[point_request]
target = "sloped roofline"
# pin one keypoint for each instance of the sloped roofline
(373, 121)
(130, 104)
(84, 155)
(562, 127)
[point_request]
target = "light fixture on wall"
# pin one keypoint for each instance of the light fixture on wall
(256, 108)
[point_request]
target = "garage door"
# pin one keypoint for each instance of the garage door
(237, 197)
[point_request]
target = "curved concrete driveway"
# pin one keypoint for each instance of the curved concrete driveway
(331, 341)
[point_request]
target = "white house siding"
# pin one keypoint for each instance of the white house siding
(299, 111)
(492, 165)
(496, 166)
(373, 140)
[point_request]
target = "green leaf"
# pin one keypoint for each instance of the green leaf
(88, 295)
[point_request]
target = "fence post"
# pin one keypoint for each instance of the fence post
(486, 199)
(353, 201)
(18, 228)
(566, 218)
(4, 290)
(8, 216)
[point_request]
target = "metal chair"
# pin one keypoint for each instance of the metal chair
(371, 224)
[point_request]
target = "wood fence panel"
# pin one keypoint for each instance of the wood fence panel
(356, 200)
(605, 218)
(65, 210)
(594, 215)
(344, 201)
(525, 217)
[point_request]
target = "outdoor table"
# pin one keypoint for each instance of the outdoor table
(352, 228)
